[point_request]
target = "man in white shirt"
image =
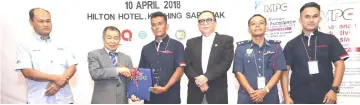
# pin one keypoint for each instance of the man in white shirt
(46, 65)
(207, 75)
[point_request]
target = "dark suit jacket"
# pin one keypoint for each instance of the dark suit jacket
(221, 56)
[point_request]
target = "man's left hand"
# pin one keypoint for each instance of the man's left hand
(330, 97)
(201, 80)
(158, 89)
(204, 88)
(258, 96)
(52, 89)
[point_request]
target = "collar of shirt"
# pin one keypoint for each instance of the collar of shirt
(42, 39)
(314, 33)
(108, 51)
(164, 40)
(311, 34)
(266, 42)
(209, 38)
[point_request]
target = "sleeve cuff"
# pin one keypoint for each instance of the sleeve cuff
(19, 67)
(183, 64)
(344, 56)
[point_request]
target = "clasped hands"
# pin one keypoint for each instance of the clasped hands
(257, 96)
(201, 82)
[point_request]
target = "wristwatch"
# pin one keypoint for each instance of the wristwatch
(335, 89)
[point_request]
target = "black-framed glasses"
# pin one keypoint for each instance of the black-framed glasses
(208, 20)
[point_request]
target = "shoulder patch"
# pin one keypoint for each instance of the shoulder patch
(275, 41)
(243, 42)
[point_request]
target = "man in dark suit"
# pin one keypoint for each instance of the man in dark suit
(208, 58)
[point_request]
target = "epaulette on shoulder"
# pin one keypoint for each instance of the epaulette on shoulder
(275, 41)
(242, 42)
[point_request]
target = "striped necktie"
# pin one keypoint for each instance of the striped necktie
(113, 58)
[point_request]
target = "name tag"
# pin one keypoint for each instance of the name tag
(313, 67)
(261, 82)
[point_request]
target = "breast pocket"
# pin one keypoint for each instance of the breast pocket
(37, 57)
(249, 64)
(270, 60)
(322, 52)
(60, 59)
(168, 57)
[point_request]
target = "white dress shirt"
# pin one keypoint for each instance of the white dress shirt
(47, 57)
(207, 43)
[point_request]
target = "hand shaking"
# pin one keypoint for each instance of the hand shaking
(124, 71)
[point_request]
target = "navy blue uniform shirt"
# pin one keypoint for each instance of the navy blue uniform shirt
(303, 86)
(166, 60)
(252, 60)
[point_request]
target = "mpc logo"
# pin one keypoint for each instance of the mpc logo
(276, 7)
(336, 14)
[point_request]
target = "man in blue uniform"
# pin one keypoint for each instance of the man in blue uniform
(310, 56)
(46, 63)
(258, 64)
(166, 57)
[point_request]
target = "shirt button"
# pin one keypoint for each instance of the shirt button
(157, 61)
(259, 52)
(248, 61)
(259, 59)
(259, 66)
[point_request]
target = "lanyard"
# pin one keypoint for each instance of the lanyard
(306, 48)
(158, 46)
(257, 68)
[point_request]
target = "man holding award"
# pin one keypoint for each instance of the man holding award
(110, 70)
(165, 56)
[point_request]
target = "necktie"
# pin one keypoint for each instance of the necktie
(113, 58)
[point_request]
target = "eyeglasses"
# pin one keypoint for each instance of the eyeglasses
(208, 20)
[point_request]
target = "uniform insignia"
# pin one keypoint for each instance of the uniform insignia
(249, 51)
(275, 41)
(268, 52)
(60, 49)
(36, 50)
(242, 42)
(18, 62)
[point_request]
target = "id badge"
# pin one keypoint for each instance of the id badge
(313, 67)
(261, 82)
